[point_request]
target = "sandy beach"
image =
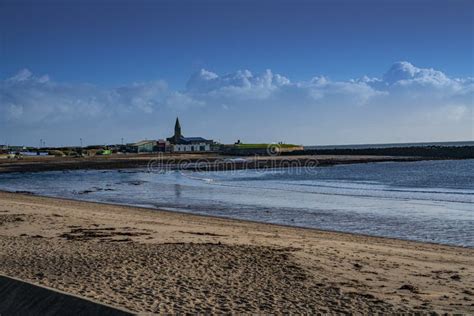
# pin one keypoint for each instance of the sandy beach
(164, 262)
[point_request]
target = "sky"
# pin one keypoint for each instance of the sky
(304, 72)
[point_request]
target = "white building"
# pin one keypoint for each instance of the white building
(192, 147)
(188, 144)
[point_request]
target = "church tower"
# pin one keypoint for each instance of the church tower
(177, 131)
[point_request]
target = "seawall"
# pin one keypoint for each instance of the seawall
(23, 298)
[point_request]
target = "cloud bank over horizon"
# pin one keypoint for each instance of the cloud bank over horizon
(404, 104)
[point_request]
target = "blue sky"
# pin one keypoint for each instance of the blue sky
(131, 66)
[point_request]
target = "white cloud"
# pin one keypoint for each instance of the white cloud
(241, 84)
(180, 101)
(144, 97)
(14, 110)
(28, 99)
(321, 88)
(244, 85)
(21, 75)
(404, 75)
(242, 103)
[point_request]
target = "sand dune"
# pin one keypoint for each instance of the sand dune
(157, 261)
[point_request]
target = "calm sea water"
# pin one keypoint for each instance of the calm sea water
(425, 201)
(393, 145)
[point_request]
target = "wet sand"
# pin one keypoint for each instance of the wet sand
(164, 262)
(201, 162)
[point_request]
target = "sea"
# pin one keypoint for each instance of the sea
(428, 201)
(392, 145)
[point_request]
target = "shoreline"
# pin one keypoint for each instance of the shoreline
(148, 260)
(237, 220)
(191, 162)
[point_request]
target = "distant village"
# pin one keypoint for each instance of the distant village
(177, 143)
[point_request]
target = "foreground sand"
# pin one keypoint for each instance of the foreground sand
(155, 261)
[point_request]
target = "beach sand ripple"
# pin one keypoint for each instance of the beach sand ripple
(179, 277)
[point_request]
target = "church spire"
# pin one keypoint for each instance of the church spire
(177, 131)
(177, 125)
